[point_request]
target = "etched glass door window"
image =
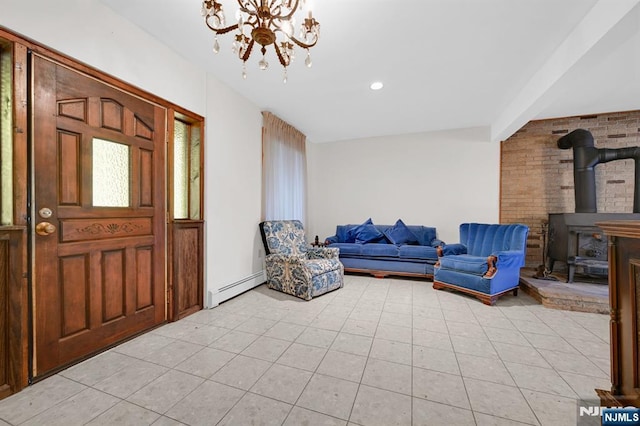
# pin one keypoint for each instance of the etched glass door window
(111, 174)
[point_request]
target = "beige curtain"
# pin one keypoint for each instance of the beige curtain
(284, 170)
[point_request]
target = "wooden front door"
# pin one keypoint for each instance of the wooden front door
(98, 214)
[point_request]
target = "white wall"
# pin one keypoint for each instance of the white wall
(438, 179)
(233, 184)
(95, 35)
(90, 32)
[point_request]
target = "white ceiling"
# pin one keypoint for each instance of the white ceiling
(445, 64)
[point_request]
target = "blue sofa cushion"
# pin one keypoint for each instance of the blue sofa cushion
(343, 235)
(380, 250)
(353, 232)
(418, 252)
(368, 234)
(347, 249)
(453, 249)
(426, 235)
(399, 234)
(465, 263)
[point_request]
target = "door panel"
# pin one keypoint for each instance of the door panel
(187, 271)
(12, 307)
(99, 269)
(5, 387)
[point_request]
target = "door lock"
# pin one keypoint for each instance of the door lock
(45, 213)
(45, 228)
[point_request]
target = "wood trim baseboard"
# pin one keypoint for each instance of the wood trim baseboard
(487, 299)
(382, 274)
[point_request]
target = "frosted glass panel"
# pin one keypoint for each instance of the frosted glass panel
(195, 174)
(111, 169)
(6, 136)
(180, 171)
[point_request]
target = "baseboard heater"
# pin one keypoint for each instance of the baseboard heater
(235, 288)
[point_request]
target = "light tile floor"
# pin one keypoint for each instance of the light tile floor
(377, 352)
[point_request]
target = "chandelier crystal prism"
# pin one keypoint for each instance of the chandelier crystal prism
(266, 22)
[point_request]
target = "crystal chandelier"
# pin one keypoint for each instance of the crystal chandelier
(266, 22)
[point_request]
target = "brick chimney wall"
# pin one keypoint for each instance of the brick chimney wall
(537, 176)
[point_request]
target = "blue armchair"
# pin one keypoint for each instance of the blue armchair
(293, 266)
(486, 263)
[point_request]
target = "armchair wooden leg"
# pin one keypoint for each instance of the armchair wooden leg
(515, 291)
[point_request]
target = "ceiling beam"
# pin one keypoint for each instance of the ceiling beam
(596, 28)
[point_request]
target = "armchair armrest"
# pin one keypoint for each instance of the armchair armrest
(451, 249)
(323, 253)
(503, 259)
(437, 243)
(510, 258)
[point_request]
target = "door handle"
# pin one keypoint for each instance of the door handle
(45, 228)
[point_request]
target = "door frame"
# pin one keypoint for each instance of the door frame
(20, 279)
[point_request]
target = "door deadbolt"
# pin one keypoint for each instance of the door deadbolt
(45, 213)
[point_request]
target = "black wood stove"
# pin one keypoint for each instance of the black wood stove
(574, 238)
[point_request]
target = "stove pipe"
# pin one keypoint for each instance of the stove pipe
(585, 158)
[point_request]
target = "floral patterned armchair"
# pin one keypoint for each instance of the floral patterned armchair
(293, 266)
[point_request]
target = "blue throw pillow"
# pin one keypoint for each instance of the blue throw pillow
(351, 234)
(399, 234)
(368, 234)
(342, 232)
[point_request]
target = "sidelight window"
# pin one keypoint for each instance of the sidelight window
(186, 170)
(6, 135)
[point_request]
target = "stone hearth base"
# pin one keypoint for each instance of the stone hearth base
(590, 296)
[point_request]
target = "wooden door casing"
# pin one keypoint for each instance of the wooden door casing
(100, 276)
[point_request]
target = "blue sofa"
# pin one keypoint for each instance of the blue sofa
(486, 263)
(407, 254)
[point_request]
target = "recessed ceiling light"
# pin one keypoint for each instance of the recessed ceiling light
(376, 85)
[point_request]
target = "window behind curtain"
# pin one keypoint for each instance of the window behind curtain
(284, 170)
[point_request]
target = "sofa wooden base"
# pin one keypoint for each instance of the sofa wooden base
(487, 299)
(383, 274)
